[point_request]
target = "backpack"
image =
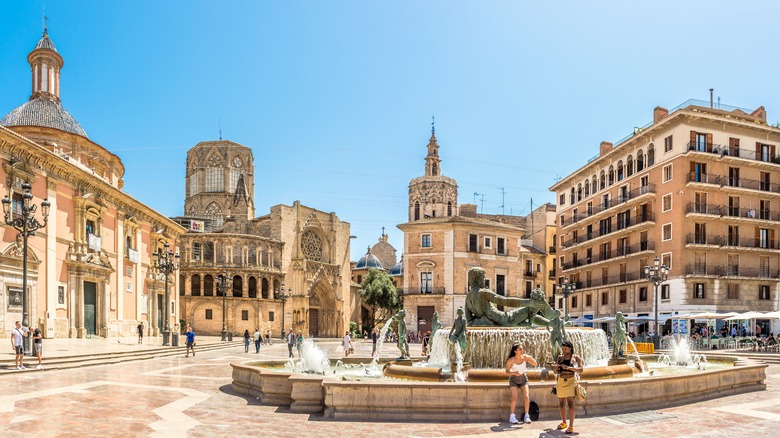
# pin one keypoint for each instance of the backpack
(533, 411)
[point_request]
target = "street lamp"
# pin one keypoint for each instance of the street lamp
(282, 296)
(166, 263)
(23, 220)
(566, 289)
(656, 274)
(222, 287)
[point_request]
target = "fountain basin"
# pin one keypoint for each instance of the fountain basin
(385, 399)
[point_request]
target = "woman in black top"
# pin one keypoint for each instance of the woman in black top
(568, 365)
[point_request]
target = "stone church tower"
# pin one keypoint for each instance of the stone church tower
(220, 183)
(432, 195)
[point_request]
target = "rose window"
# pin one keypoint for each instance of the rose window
(311, 244)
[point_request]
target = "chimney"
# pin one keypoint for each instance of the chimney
(659, 113)
(605, 147)
(468, 210)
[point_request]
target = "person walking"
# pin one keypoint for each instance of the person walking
(190, 341)
(374, 337)
(347, 344)
(299, 344)
(268, 337)
(140, 330)
(568, 365)
(516, 367)
(246, 341)
(17, 340)
(290, 341)
(38, 347)
(258, 339)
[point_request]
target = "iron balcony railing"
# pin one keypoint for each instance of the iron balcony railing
(751, 184)
(751, 213)
(530, 273)
(704, 239)
(425, 291)
(602, 205)
(613, 279)
(753, 272)
(750, 242)
(611, 254)
(732, 151)
(612, 228)
(705, 178)
(695, 207)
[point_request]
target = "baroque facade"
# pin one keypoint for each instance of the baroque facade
(699, 188)
(443, 240)
(90, 269)
(287, 269)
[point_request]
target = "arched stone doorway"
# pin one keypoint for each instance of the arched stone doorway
(323, 311)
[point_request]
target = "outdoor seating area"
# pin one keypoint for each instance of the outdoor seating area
(737, 340)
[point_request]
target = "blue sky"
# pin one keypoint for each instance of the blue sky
(336, 98)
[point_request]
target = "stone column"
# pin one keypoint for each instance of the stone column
(50, 258)
(81, 331)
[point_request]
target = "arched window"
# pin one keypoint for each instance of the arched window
(602, 180)
(449, 209)
(238, 286)
(586, 186)
(579, 192)
(236, 170)
(640, 161)
(594, 186)
(252, 255)
(650, 155)
(208, 252)
(571, 196)
(276, 288)
(195, 286)
(416, 211)
(215, 180)
(182, 287)
(620, 174)
(611, 175)
(208, 286)
(264, 288)
(630, 165)
(237, 259)
(252, 287)
(214, 213)
(434, 169)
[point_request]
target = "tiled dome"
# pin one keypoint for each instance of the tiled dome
(43, 112)
(398, 269)
(368, 261)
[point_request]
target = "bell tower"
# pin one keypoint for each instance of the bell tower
(433, 194)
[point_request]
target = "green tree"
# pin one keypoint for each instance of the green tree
(379, 293)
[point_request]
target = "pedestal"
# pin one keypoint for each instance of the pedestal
(400, 361)
(618, 361)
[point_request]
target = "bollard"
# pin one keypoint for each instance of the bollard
(230, 336)
(174, 340)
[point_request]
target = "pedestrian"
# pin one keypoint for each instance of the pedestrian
(347, 344)
(258, 339)
(733, 331)
(425, 346)
(38, 346)
(246, 341)
(374, 337)
(516, 367)
(268, 337)
(17, 343)
(140, 330)
(568, 365)
(190, 341)
(290, 341)
(299, 344)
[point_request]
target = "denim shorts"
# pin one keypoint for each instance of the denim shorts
(518, 381)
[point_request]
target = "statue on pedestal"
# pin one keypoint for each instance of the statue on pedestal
(481, 305)
(435, 325)
(403, 343)
(557, 334)
(620, 339)
(458, 331)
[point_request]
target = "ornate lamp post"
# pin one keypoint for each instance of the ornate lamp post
(566, 289)
(222, 287)
(25, 222)
(656, 274)
(282, 296)
(166, 263)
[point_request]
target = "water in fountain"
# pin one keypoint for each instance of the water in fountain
(680, 355)
(488, 348)
(313, 359)
(379, 342)
(636, 353)
(459, 375)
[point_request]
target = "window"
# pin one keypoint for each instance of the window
(734, 206)
(360, 279)
(665, 291)
(732, 292)
(762, 238)
(562, 199)
(764, 182)
(244, 315)
(763, 210)
(500, 246)
(196, 251)
(733, 236)
(449, 209)
(270, 316)
(733, 176)
(667, 202)
(426, 282)
(604, 298)
(643, 293)
(668, 144)
(666, 259)
(214, 180)
(666, 232)
(763, 292)
(488, 242)
(667, 173)
(732, 267)
(500, 284)
(763, 267)
(573, 302)
(588, 300)
(209, 314)
(472, 243)
(700, 233)
(416, 211)
(425, 240)
(699, 291)
(623, 296)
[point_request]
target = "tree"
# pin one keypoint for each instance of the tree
(379, 293)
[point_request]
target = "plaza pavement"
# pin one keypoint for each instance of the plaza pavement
(177, 396)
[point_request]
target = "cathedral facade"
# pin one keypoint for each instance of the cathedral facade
(288, 269)
(90, 268)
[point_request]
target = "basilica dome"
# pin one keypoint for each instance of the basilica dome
(43, 112)
(369, 261)
(398, 269)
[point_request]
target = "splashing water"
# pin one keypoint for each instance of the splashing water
(374, 365)
(459, 375)
(681, 355)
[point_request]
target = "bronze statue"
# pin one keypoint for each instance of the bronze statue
(481, 305)
(557, 329)
(620, 338)
(435, 325)
(458, 331)
(403, 343)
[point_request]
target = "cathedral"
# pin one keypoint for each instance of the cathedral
(89, 268)
(288, 269)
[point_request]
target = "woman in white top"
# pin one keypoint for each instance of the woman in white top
(347, 344)
(515, 368)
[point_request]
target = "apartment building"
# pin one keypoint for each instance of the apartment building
(699, 188)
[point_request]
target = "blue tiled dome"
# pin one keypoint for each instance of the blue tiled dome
(43, 112)
(368, 261)
(398, 269)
